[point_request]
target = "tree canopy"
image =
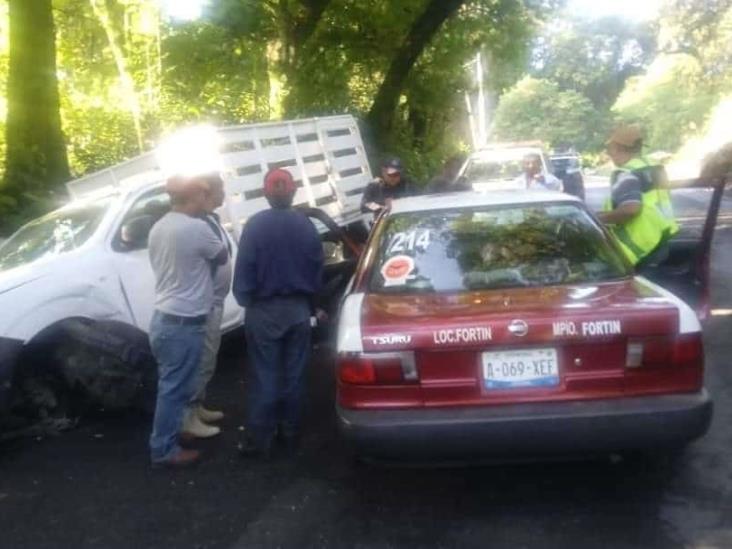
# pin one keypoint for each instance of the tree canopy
(115, 74)
(539, 109)
(125, 73)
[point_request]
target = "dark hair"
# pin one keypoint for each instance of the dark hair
(280, 202)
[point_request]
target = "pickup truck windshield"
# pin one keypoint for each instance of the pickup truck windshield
(491, 248)
(52, 234)
(488, 170)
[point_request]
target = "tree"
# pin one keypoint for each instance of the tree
(419, 36)
(593, 57)
(541, 110)
(36, 160)
(675, 98)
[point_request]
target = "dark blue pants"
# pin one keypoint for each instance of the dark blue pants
(278, 346)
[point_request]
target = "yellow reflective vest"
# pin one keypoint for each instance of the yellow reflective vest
(654, 224)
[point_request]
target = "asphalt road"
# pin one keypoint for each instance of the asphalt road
(92, 487)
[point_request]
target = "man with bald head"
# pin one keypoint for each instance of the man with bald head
(183, 251)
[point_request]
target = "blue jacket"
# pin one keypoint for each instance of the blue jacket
(280, 254)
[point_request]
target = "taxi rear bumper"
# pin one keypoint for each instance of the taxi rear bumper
(522, 430)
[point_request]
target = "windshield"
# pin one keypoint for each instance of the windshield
(53, 234)
(480, 169)
(490, 248)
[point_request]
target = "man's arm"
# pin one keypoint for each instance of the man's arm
(623, 213)
(368, 200)
(553, 182)
(210, 245)
(627, 197)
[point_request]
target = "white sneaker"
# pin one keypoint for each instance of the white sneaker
(209, 416)
(194, 427)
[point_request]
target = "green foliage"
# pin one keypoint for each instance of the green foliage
(212, 76)
(688, 79)
(671, 101)
(126, 74)
(593, 57)
(539, 109)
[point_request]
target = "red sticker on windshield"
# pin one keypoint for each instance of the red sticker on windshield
(397, 269)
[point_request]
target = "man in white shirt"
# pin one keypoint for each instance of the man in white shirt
(534, 178)
(198, 417)
(182, 251)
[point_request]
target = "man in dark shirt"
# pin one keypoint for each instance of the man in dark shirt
(391, 185)
(278, 272)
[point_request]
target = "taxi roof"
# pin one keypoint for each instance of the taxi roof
(457, 200)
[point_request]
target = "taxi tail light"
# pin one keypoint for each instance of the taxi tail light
(377, 368)
(680, 352)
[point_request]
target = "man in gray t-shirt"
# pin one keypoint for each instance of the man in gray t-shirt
(183, 251)
(198, 417)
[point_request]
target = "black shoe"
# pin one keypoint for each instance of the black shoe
(248, 449)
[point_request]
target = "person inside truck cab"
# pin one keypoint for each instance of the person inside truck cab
(639, 210)
(392, 184)
(535, 177)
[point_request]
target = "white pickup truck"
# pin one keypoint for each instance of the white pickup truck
(76, 286)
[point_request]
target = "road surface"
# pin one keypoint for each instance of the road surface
(93, 487)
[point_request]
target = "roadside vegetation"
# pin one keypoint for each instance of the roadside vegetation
(88, 83)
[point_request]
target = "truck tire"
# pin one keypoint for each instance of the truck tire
(107, 364)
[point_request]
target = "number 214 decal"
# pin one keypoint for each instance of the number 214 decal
(409, 241)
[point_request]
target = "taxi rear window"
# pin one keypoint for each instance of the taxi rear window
(491, 248)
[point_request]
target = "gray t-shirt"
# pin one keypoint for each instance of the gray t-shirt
(223, 274)
(181, 250)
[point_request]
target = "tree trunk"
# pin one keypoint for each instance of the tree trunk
(133, 101)
(423, 30)
(36, 158)
(305, 28)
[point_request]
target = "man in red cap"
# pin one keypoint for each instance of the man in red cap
(278, 272)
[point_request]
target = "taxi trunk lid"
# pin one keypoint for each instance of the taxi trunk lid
(589, 330)
(525, 316)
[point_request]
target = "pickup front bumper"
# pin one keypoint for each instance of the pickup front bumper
(528, 430)
(9, 352)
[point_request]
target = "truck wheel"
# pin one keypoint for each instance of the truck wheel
(108, 364)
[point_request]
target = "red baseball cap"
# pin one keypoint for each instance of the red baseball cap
(279, 183)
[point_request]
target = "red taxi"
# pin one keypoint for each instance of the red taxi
(509, 324)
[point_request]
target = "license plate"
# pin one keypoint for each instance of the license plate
(520, 368)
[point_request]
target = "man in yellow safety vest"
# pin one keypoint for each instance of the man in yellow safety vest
(639, 211)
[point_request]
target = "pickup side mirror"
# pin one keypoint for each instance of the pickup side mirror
(134, 232)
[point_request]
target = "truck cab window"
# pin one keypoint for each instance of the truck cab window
(144, 213)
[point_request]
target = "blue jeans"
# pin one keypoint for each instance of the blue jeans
(278, 344)
(177, 350)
